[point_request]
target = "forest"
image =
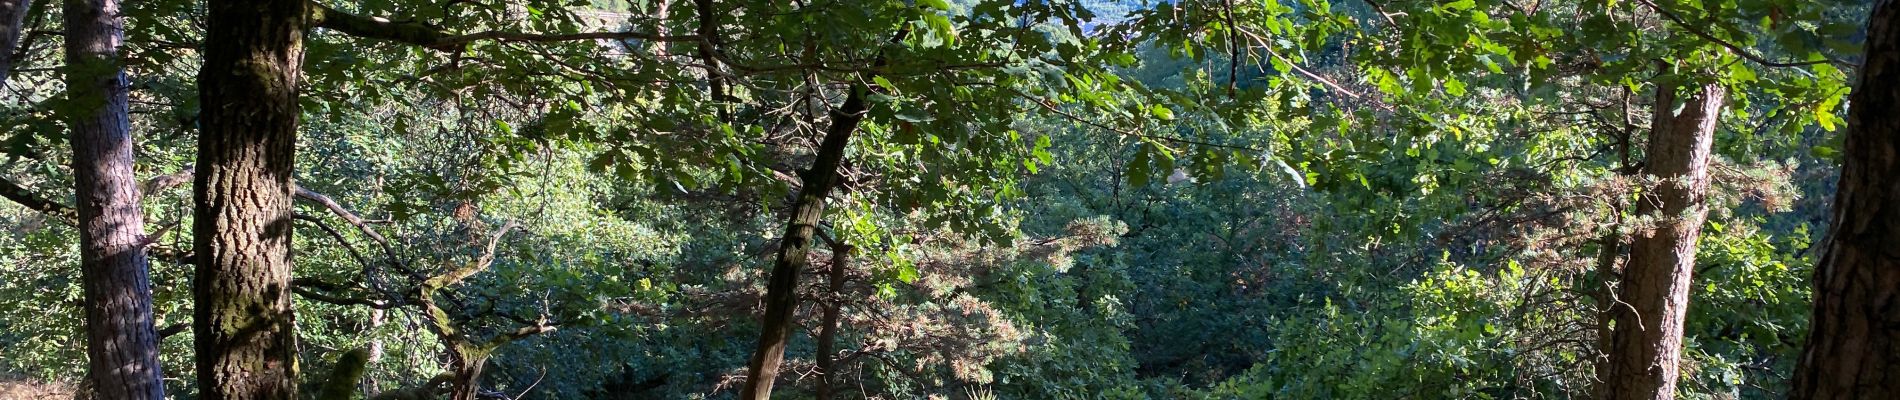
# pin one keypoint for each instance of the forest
(949, 199)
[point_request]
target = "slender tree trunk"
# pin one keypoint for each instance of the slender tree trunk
(1653, 298)
(243, 326)
(369, 384)
(1607, 256)
(708, 49)
(828, 327)
(121, 345)
(781, 297)
(12, 16)
(1853, 351)
(659, 27)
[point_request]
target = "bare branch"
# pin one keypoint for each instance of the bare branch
(354, 220)
(367, 268)
(18, 194)
(521, 333)
(309, 289)
(481, 263)
(1380, 9)
(173, 329)
(166, 182)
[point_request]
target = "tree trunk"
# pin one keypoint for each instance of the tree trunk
(828, 327)
(12, 15)
(468, 374)
(781, 297)
(243, 326)
(707, 49)
(1853, 349)
(1653, 298)
(1607, 257)
(369, 384)
(121, 345)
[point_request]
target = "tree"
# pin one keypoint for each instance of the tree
(244, 321)
(120, 341)
(1653, 299)
(1853, 351)
(242, 192)
(1309, 199)
(781, 298)
(828, 323)
(12, 15)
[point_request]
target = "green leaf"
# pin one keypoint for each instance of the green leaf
(1824, 152)
(1137, 169)
(1826, 119)
(1741, 73)
(1041, 151)
(1162, 113)
(914, 115)
(940, 25)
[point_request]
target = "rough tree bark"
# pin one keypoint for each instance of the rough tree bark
(243, 323)
(1610, 252)
(1853, 349)
(828, 326)
(12, 15)
(781, 297)
(1653, 298)
(121, 345)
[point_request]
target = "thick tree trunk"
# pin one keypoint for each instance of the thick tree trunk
(828, 326)
(12, 15)
(781, 297)
(121, 345)
(243, 326)
(1653, 298)
(1853, 349)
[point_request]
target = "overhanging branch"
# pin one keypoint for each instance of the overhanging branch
(314, 290)
(18, 194)
(434, 38)
(1739, 51)
(356, 221)
(166, 182)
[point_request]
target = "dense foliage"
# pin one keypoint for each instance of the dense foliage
(1045, 199)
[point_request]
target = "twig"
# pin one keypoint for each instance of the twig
(354, 220)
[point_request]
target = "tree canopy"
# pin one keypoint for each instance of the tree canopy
(975, 199)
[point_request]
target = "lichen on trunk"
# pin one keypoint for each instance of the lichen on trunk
(242, 192)
(1651, 302)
